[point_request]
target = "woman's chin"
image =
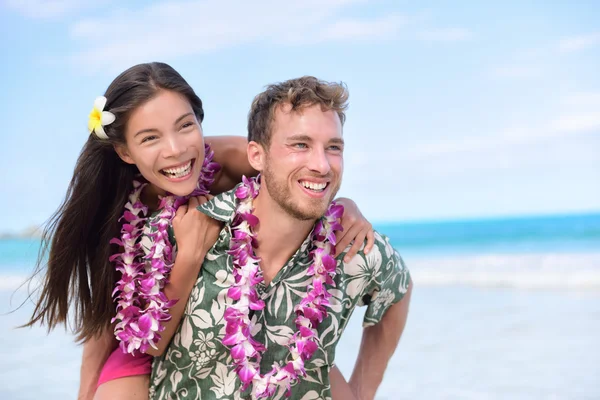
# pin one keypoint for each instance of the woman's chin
(182, 188)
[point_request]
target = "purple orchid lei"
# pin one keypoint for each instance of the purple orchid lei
(142, 307)
(310, 312)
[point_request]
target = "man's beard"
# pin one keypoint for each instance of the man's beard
(281, 194)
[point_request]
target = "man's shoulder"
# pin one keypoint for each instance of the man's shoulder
(221, 207)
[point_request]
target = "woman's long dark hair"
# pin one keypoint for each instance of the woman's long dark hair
(79, 278)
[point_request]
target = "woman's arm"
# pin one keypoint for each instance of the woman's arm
(181, 282)
(95, 353)
(231, 154)
(356, 230)
(195, 233)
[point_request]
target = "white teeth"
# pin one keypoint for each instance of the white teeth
(179, 171)
(314, 186)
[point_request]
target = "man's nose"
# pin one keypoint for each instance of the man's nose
(319, 162)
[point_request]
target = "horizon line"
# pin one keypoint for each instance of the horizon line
(489, 217)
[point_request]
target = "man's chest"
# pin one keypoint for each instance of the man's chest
(204, 324)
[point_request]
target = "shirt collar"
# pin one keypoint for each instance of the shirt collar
(222, 208)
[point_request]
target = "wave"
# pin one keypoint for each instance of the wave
(563, 271)
(10, 282)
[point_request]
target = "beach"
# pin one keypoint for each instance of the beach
(498, 314)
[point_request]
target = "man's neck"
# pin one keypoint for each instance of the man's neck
(279, 235)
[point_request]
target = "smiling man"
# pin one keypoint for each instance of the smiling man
(270, 304)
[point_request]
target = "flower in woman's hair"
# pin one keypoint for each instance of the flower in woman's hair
(100, 118)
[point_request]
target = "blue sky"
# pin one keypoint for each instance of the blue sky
(456, 110)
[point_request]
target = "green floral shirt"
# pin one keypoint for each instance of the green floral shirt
(197, 366)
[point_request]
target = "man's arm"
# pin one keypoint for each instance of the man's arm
(340, 389)
(95, 353)
(377, 347)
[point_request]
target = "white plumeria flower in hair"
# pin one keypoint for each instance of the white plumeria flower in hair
(100, 118)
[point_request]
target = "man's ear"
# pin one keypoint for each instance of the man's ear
(123, 153)
(256, 156)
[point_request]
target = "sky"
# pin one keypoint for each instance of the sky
(457, 109)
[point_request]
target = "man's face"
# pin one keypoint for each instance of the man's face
(303, 166)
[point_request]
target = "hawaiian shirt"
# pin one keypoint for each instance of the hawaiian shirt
(197, 366)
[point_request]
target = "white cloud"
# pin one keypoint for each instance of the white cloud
(446, 35)
(378, 28)
(182, 28)
(587, 100)
(47, 8)
(581, 113)
(582, 122)
(578, 43)
(578, 117)
(164, 30)
(517, 71)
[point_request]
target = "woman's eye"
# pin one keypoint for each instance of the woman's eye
(187, 125)
(148, 138)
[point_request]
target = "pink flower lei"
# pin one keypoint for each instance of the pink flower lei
(142, 307)
(245, 351)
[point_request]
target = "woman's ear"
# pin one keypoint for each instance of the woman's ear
(123, 153)
(256, 156)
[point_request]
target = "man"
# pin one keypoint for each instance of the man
(295, 141)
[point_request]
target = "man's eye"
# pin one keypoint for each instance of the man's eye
(335, 148)
(301, 145)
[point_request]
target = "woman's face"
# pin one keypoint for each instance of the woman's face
(164, 140)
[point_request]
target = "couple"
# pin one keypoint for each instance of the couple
(269, 303)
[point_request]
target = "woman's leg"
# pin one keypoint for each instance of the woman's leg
(130, 387)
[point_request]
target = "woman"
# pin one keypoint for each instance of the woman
(146, 152)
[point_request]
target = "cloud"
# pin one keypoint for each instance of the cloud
(517, 71)
(538, 62)
(577, 117)
(563, 126)
(183, 28)
(579, 43)
(587, 100)
(581, 122)
(46, 9)
(377, 28)
(581, 113)
(445, 35)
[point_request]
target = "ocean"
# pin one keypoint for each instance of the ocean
(505, 308)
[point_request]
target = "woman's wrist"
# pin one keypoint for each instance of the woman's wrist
(188, 260)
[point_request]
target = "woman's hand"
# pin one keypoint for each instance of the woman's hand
(356, 229)
(195, 232)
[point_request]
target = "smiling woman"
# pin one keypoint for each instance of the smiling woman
(146, 152)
